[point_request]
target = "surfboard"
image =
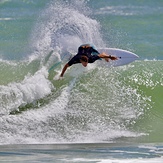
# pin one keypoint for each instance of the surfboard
(124, 57)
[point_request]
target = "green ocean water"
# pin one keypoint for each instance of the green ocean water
(104, 107)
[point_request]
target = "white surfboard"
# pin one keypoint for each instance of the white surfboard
(124, 57)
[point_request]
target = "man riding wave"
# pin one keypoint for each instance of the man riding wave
(85, 56)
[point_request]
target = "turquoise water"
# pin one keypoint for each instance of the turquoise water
(104, 112)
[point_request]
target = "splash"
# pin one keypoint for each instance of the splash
(64, 26)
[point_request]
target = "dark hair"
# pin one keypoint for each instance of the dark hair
(84, 58)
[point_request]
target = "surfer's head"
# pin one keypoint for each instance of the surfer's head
(84, 60)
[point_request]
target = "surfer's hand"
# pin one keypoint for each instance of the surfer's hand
(58, 77)
(61, 78)
(113, 57)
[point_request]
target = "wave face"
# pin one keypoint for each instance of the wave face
(96, 104)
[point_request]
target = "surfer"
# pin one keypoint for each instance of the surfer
(84, 56)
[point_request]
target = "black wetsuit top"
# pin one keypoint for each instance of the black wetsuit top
(85, 50)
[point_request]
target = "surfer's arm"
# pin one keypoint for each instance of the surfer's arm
(105, 56)
(74, 60)
(64, 69)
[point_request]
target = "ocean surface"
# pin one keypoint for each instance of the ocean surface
(95, 114)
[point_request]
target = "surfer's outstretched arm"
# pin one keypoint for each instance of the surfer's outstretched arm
(106, 56)
(64, 69)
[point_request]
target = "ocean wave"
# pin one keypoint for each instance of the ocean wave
(98, 105)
